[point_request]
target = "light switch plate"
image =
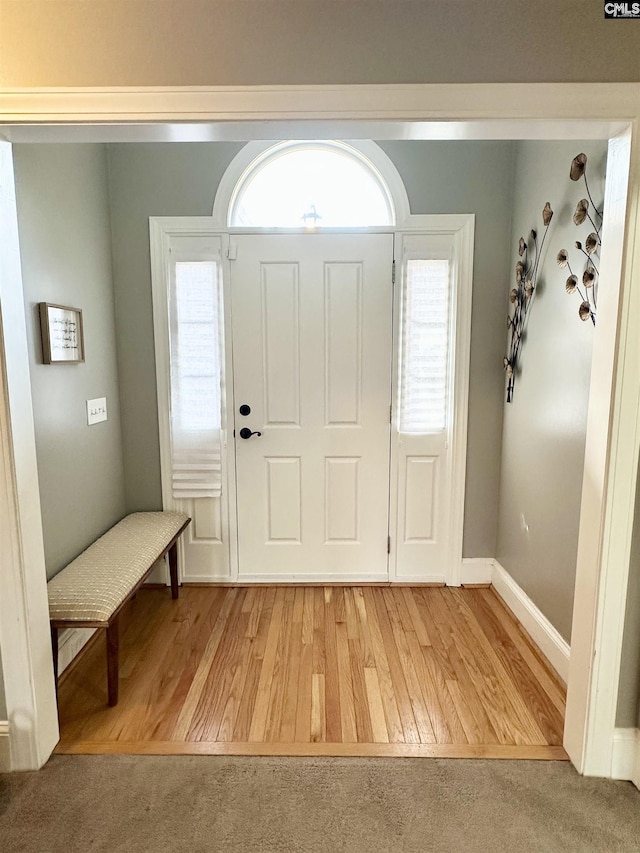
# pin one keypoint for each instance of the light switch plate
(96, 410)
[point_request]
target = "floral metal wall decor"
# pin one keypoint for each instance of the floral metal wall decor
(521, 296)
(588, 248)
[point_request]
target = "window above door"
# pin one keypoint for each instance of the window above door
(312, 184)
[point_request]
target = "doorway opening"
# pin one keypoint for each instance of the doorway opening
(346, 378)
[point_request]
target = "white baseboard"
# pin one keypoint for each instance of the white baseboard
(70, 642)
(477, 570)
(625, 761)
(545, 636)
(5, 751)
(315, 579)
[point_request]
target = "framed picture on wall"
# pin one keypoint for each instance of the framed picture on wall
(62, 335)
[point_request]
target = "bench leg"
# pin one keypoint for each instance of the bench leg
(173, 569)
(113, 643)
(54, 649)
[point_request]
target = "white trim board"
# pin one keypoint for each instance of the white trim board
(327, 579)
(552, 645)
(5, 747)
(70, 643)
(476, 570)
(625, 762)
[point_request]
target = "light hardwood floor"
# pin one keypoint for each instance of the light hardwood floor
(317, 671)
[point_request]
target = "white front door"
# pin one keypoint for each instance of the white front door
(312, 355)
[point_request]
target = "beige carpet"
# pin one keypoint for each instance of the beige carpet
(125, 804)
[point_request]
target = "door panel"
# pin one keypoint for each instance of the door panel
(312, 337)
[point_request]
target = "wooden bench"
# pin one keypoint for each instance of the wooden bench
(92, 590)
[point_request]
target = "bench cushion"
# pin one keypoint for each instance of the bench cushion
(94, 585)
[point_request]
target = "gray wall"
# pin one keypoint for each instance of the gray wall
(544, 427)
(171, 179)
(65, 243)
(181, 180)
(3, 703)
(628, 714)
(232, 42)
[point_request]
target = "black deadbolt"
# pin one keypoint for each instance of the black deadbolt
(245, 410)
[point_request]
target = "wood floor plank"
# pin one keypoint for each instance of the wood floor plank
(333, 700)
(242, 725)
(345, 681)
(307, 616)
(255, 612)
(437, 620)
(432, 704)
(318, 710)
(508, 714)
(338, 604)
(258, 725)
(180, 665)
(461, 684)
(505, 691)
(539, 666)
(364, 730)
(438, 684)
(542, 709)
(305, 684)
(409, 727)
(401, 625)
(365, 631)
(207, 716)
(279, 672)
(292, 672)
(376, 707)
(150, 683)
(183, 723)
(231, 699)
(319, 670)
(319, 633)
(353, 623)
(417, 621)
(389, 703)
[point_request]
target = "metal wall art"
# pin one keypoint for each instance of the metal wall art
(586, 272)
(521, 296)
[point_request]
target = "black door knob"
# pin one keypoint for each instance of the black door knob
(245, 410)
(245, 432)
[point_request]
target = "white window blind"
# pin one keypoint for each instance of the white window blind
(195, 333)
(425, 347)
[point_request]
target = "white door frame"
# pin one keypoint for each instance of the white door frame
(25, 639)
(511, 111)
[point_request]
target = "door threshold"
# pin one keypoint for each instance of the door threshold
(345, 750)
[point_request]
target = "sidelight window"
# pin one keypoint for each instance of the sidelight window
(194, 319)
(425, 346)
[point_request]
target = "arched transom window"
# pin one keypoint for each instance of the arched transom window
(311, 185)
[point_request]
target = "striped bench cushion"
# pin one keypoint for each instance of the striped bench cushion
(94, 585)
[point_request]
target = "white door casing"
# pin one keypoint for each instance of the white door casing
(312, 334)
